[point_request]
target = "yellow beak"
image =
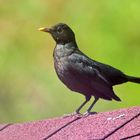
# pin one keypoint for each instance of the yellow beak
(42, 29)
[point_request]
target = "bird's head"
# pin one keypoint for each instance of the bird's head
(61, 33)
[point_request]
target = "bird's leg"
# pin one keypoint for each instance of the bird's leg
(81, 106)
(91, 106)
(77, 112)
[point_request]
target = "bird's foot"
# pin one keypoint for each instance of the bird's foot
(86, 114)
(74, 114)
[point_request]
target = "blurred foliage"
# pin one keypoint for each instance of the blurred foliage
(107, 31)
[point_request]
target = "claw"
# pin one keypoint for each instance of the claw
(86, 114)
(74, 114)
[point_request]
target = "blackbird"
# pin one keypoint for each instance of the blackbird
(79, 72)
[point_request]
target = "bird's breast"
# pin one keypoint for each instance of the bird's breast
(61, 62)
(63, 65)
(61, 68)
(61, 55)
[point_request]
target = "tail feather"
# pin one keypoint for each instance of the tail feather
(115, 97)
(133, 79)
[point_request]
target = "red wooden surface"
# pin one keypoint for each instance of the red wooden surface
(119, 124)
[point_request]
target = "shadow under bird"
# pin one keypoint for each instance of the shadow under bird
(79, 72)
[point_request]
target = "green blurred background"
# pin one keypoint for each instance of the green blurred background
(107, 31)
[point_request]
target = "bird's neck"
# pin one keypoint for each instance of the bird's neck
(69, 45)
(62, 50)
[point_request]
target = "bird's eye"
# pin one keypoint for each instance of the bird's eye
(59, 30)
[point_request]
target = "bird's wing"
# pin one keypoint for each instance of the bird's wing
(113, 75)
(82, 66)
(86, 66)
(106, 72)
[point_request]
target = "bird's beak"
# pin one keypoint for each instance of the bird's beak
(44, 29)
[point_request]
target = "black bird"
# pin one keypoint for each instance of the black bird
(79, 72)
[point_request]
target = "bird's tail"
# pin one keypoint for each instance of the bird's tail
(115, 97)
(133, 79)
